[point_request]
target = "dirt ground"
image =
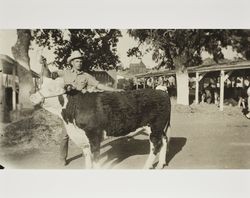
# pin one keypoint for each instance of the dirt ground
(202, 138)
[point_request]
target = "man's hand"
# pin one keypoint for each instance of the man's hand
(118, 90)
(106, 88)
(54, 75)
(69, 87)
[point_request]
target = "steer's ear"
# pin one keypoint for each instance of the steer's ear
(70, 90)
(54, 75)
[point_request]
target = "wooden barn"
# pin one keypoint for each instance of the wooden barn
(137, 68)
(9, 84)
(108, 78)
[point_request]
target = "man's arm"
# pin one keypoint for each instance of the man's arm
(93, 82)
(106, 88)
(46, 72)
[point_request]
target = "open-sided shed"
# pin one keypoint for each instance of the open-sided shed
(223, 71)
(154, 74)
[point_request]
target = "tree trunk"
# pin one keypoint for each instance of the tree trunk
(182, 81)
(182, 87)
(21, 53)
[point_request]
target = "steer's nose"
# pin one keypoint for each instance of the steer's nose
(35, 99)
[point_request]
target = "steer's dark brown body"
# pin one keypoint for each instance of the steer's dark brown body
(119, 113)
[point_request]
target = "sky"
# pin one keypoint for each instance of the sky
(126, 42)
(8, 39)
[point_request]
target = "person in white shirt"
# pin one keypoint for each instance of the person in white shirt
(162, 86)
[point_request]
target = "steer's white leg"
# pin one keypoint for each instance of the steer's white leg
(79, 137)
(96, 165)
(151, 157)
(88, 156)
(163, 152)
(164, 148)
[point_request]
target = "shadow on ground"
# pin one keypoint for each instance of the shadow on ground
(123, 148)
(176, 145)
(126, 147)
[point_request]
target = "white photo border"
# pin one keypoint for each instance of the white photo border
(123, 14)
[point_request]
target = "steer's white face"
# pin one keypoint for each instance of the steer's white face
(48, 89)
(47, 95)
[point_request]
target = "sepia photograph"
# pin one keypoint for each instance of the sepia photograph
(125, 98)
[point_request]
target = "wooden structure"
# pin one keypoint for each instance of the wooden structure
(137, 68)
(9, 78)
(108, 78)
(223, 71)
(153, 74)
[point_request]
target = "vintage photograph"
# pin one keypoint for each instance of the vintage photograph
(124, 98)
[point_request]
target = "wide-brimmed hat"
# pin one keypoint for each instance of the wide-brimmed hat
(74, 55)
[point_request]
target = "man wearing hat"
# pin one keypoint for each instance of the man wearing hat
(81, 81)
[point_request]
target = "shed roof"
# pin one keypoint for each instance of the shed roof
(234, 65)
(7, 64)
(140, 64)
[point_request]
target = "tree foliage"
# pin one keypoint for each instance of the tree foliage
(186, 45)
(99, 45)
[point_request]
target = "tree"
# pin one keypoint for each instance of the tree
(21, 55)
(98, 45)
(241, 42)
(182, 48)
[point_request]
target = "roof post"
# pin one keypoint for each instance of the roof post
(2, 98)
(136, 83)
(1, 86)
(14, 88)
(222, 80)
(153, 82)
(197, 88)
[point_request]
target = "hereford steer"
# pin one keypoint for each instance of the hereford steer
(87, 115)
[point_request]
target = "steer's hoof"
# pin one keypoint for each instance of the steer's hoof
(148, 167)
(64, 161)
(96, 165)
(160, 165)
